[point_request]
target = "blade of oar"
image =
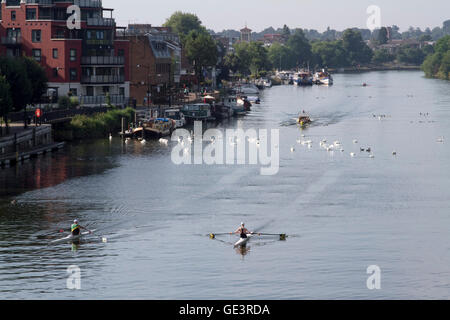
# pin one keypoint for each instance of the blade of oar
(281, 235)
(213, 235)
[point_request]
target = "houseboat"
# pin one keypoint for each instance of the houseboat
(197, 112)
(304, 78)
(177, 115)
(237, 104)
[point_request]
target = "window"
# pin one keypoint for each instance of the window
(36, 35)
(55, 53)
(73, 74)
(55, 72)
(90, 91)
(73, 92)
(120, 52)
(13, 15)
(31, 14)
(73, 54)
(122, 91)
(37, 54)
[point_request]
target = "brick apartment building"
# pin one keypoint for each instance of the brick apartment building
(88, 62)
(155, 63)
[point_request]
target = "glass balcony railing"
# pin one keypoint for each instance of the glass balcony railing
(99, 60)
(101, 22)
(11, 40)
(102, 79)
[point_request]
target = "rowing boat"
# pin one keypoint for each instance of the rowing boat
(71, 237)
(242, 242)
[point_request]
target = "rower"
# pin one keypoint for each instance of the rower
(76, 228)
(243, 231)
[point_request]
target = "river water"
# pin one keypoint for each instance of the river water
(342, 214)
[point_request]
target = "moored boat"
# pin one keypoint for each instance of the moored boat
(197, 112)
(177, 116)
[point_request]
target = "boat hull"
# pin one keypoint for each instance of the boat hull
(242, 242)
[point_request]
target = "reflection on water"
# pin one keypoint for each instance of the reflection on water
(341, 213)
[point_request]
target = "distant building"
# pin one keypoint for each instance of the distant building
(155, 63)
(271, 38)
(246, 35)
(394, 45)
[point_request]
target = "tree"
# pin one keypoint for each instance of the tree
(382, 56)
(411, 55)
(446, 27)
(38, 78)
(437, 65)
(5, 101)
(329, 54)
(16, 74)
(183, 23)
(300, 47)
(201, 50)
(357, 50)
(383, 36)
(259, 60)
(280, 56)
(286, 32)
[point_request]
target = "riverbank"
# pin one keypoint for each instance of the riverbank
(375, 68)
(96, 126)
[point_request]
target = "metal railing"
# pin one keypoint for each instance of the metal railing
(102, 79)
(100, 60)
(11, 40)
(100, 100)
(101, 22)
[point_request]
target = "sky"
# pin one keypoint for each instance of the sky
(308, 14)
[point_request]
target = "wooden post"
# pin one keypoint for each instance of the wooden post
(123, 127)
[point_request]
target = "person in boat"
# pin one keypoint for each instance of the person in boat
(242, 231)
(76, 228)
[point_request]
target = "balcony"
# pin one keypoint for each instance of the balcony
(11, 41)
(102, 79)
(40, 2)
(88, 3)
(100, 100)
(101, 22)
(95, 60)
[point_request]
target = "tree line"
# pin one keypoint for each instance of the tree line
(346, 49)
(22, 82)
(437, 65)
(331, 34)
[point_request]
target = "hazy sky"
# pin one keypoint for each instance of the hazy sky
(309, 14)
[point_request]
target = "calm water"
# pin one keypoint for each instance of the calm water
(342, 214)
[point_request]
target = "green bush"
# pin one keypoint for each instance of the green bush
(101, 124)
(64, 102)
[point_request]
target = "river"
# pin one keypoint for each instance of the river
(342, 214)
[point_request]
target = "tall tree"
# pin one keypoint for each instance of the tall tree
(300, 47)
(38, 78)
(201, 51)
(383, 35)
(16, 74)
(5, 101)
(357, 50)
(183, 23)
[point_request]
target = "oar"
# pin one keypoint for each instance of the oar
(282, 236)
(213, 235)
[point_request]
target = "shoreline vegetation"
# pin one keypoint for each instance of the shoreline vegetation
(437, 65)
(100, 125)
